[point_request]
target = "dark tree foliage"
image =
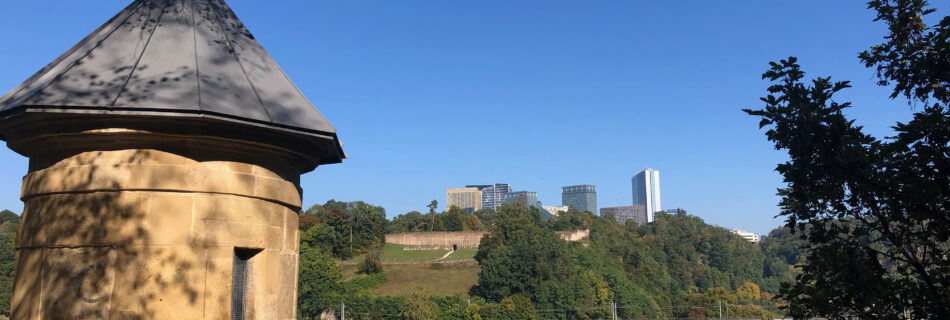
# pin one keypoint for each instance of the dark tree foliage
(9, 221)
(520, 257)
(412, 221)
(454, 219)
(914, 58)
(8, 225)
(7, 257)
(486, 216)
(783, 250)
(874, 212)
(345, 229)
(320, 282)
(652, 267)
(572, 219)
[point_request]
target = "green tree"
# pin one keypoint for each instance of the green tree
(346, 229)
(419, 306)
(412, 221)
(486, 216)
(433, 215)
(7, 257)
(874, 212)
(572, 219)
(319, 284)
(454, 219)
(9, 221)
(371, 263)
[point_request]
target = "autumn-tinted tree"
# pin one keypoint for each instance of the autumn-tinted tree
(874, 212)
(472, 223)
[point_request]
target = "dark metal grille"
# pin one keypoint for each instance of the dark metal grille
(240, 289)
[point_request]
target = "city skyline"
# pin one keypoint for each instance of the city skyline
(401, 76)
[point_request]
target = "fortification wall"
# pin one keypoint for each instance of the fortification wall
(575, 235)
(458, 239)
(437, 240)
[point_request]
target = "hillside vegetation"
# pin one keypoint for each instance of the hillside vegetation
(678, 266)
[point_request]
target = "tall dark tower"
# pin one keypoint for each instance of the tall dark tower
(165, 150)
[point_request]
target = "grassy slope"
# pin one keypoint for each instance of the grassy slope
(462, 254)
(394, 252)
(449, 279)
(444, 279)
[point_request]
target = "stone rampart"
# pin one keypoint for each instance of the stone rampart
(436, 240)
(458, 239)
(576, 235)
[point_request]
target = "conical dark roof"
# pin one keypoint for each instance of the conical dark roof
(174, 58)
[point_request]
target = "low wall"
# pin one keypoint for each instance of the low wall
(575, 235)
(458, 239)
(437, 240)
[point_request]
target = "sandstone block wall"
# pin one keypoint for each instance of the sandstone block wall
(437, 240)
(576, 235)
(146, 234)
(459, 239)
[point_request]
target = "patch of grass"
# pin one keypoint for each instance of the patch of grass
(395, 253)
(462, 254)
(366, 283)
(450, 279)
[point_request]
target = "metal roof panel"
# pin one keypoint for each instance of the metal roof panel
(182, 56)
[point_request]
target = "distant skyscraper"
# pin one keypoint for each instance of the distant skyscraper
(582, 197)
(524, 198)
(493, 195)
(468, 199)
(622, 214)
(646, 191)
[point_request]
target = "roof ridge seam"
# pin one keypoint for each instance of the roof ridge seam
(194, 37)
(237, 58)
(98, 41)
(139, 58)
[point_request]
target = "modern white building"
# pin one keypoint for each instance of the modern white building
(646, 191)
(747, 235)
(555, 210)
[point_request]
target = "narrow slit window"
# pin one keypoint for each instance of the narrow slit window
(242, 280)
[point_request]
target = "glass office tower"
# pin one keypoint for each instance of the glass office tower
(646, 191)
(582, 197)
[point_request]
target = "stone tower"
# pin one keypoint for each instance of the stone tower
(165, 154)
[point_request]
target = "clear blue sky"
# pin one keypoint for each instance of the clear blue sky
(539, 94)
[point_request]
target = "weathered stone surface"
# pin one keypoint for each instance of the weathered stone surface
(459, 239)
(154, 238)
(433, 240)
(86, 172)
